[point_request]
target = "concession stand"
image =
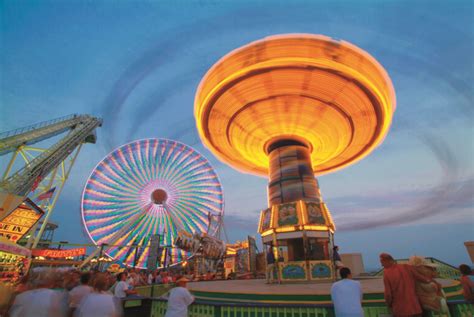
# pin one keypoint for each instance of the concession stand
(15, 261)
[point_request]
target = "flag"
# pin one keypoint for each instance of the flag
(46, 195)
(36, 183)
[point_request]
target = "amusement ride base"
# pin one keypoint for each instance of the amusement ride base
(257, 291)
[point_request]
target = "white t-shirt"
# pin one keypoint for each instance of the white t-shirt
(99, 305)
(178, 301)
(347, 296)
(77, 294)
(41, 302)
(120, 289)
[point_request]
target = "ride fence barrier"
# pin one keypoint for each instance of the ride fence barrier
(214, 309)
(154, 290)
(149, 303)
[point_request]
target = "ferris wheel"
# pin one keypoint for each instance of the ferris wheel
(147, 187)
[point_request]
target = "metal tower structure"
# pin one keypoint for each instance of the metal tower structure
(44, 169)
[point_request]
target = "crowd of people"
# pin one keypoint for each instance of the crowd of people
(409, 289)
(63, 293)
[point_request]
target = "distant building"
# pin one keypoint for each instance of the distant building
(354, 262)
(470, 249)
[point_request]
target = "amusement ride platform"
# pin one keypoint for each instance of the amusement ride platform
(257, 291)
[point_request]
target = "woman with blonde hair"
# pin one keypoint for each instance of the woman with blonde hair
(430, 295)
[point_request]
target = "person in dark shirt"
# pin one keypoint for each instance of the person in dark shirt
(336, 257)
(270, 265)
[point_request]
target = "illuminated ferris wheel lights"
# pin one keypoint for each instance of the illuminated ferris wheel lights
(152, 186)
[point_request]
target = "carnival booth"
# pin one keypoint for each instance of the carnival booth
(15, 261)
(241, 259)
(301, 235)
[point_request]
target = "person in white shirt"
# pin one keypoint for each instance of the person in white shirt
(122, 289)
(99, 303)
(179, 299)
(41, 301)
(80, 291)
(152, 277)
(133, 279)
(346, 295)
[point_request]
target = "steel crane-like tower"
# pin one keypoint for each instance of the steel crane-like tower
(44, 168)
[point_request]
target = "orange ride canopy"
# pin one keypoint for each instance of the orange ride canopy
(328, 94)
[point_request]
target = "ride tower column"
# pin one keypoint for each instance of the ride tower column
(291, 176)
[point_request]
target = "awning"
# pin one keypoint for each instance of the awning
(11, 247)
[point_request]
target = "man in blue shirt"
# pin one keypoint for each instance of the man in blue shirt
(346, 295)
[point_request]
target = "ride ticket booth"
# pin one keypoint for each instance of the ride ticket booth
(301, 234)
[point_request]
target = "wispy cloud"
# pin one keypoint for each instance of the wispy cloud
(454, 192)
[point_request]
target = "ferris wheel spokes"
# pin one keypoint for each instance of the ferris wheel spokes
(144, 185)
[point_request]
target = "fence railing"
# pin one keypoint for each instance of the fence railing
(206, 309)
(34, 126)
(155, 290)
(154, 306)
(443, 269)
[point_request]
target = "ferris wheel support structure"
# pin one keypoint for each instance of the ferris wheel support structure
(44, 168)
(104, 247)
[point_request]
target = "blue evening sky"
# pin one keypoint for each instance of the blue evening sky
(137, 65)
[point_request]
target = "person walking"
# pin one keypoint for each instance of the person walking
(79, 292)
(346, 295)
(179, 299)
(99, 303)
(41, 301)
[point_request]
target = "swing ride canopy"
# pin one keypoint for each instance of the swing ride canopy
(329, 95)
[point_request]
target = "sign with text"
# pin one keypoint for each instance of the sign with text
(52, 253)
(19, 221)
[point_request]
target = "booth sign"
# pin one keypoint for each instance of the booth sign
(51, 253)
(14, 226)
